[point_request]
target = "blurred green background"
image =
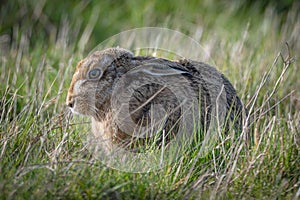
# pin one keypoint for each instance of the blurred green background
(90, 22)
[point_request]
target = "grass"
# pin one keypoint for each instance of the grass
(41, 151)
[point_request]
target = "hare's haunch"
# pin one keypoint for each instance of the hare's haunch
(137, 98)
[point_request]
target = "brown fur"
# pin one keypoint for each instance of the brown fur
(93, 97)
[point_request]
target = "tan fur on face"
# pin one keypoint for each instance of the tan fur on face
(76, 76)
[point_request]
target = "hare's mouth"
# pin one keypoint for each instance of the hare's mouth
(74, 111)
(80, 106)
(75, 106)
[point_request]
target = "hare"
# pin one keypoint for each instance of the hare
(125, 94)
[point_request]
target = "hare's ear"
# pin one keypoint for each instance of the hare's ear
(157, 69)
(120, 52)
(106, 60)
(107, 56)
(111, 54)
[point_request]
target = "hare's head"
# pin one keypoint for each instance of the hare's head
(92, 83)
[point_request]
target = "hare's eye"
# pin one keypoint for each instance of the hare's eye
(94, 74)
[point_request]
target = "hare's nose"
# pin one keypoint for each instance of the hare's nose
(70, 104)
(70, 101)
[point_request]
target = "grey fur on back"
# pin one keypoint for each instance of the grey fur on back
(214, 88)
